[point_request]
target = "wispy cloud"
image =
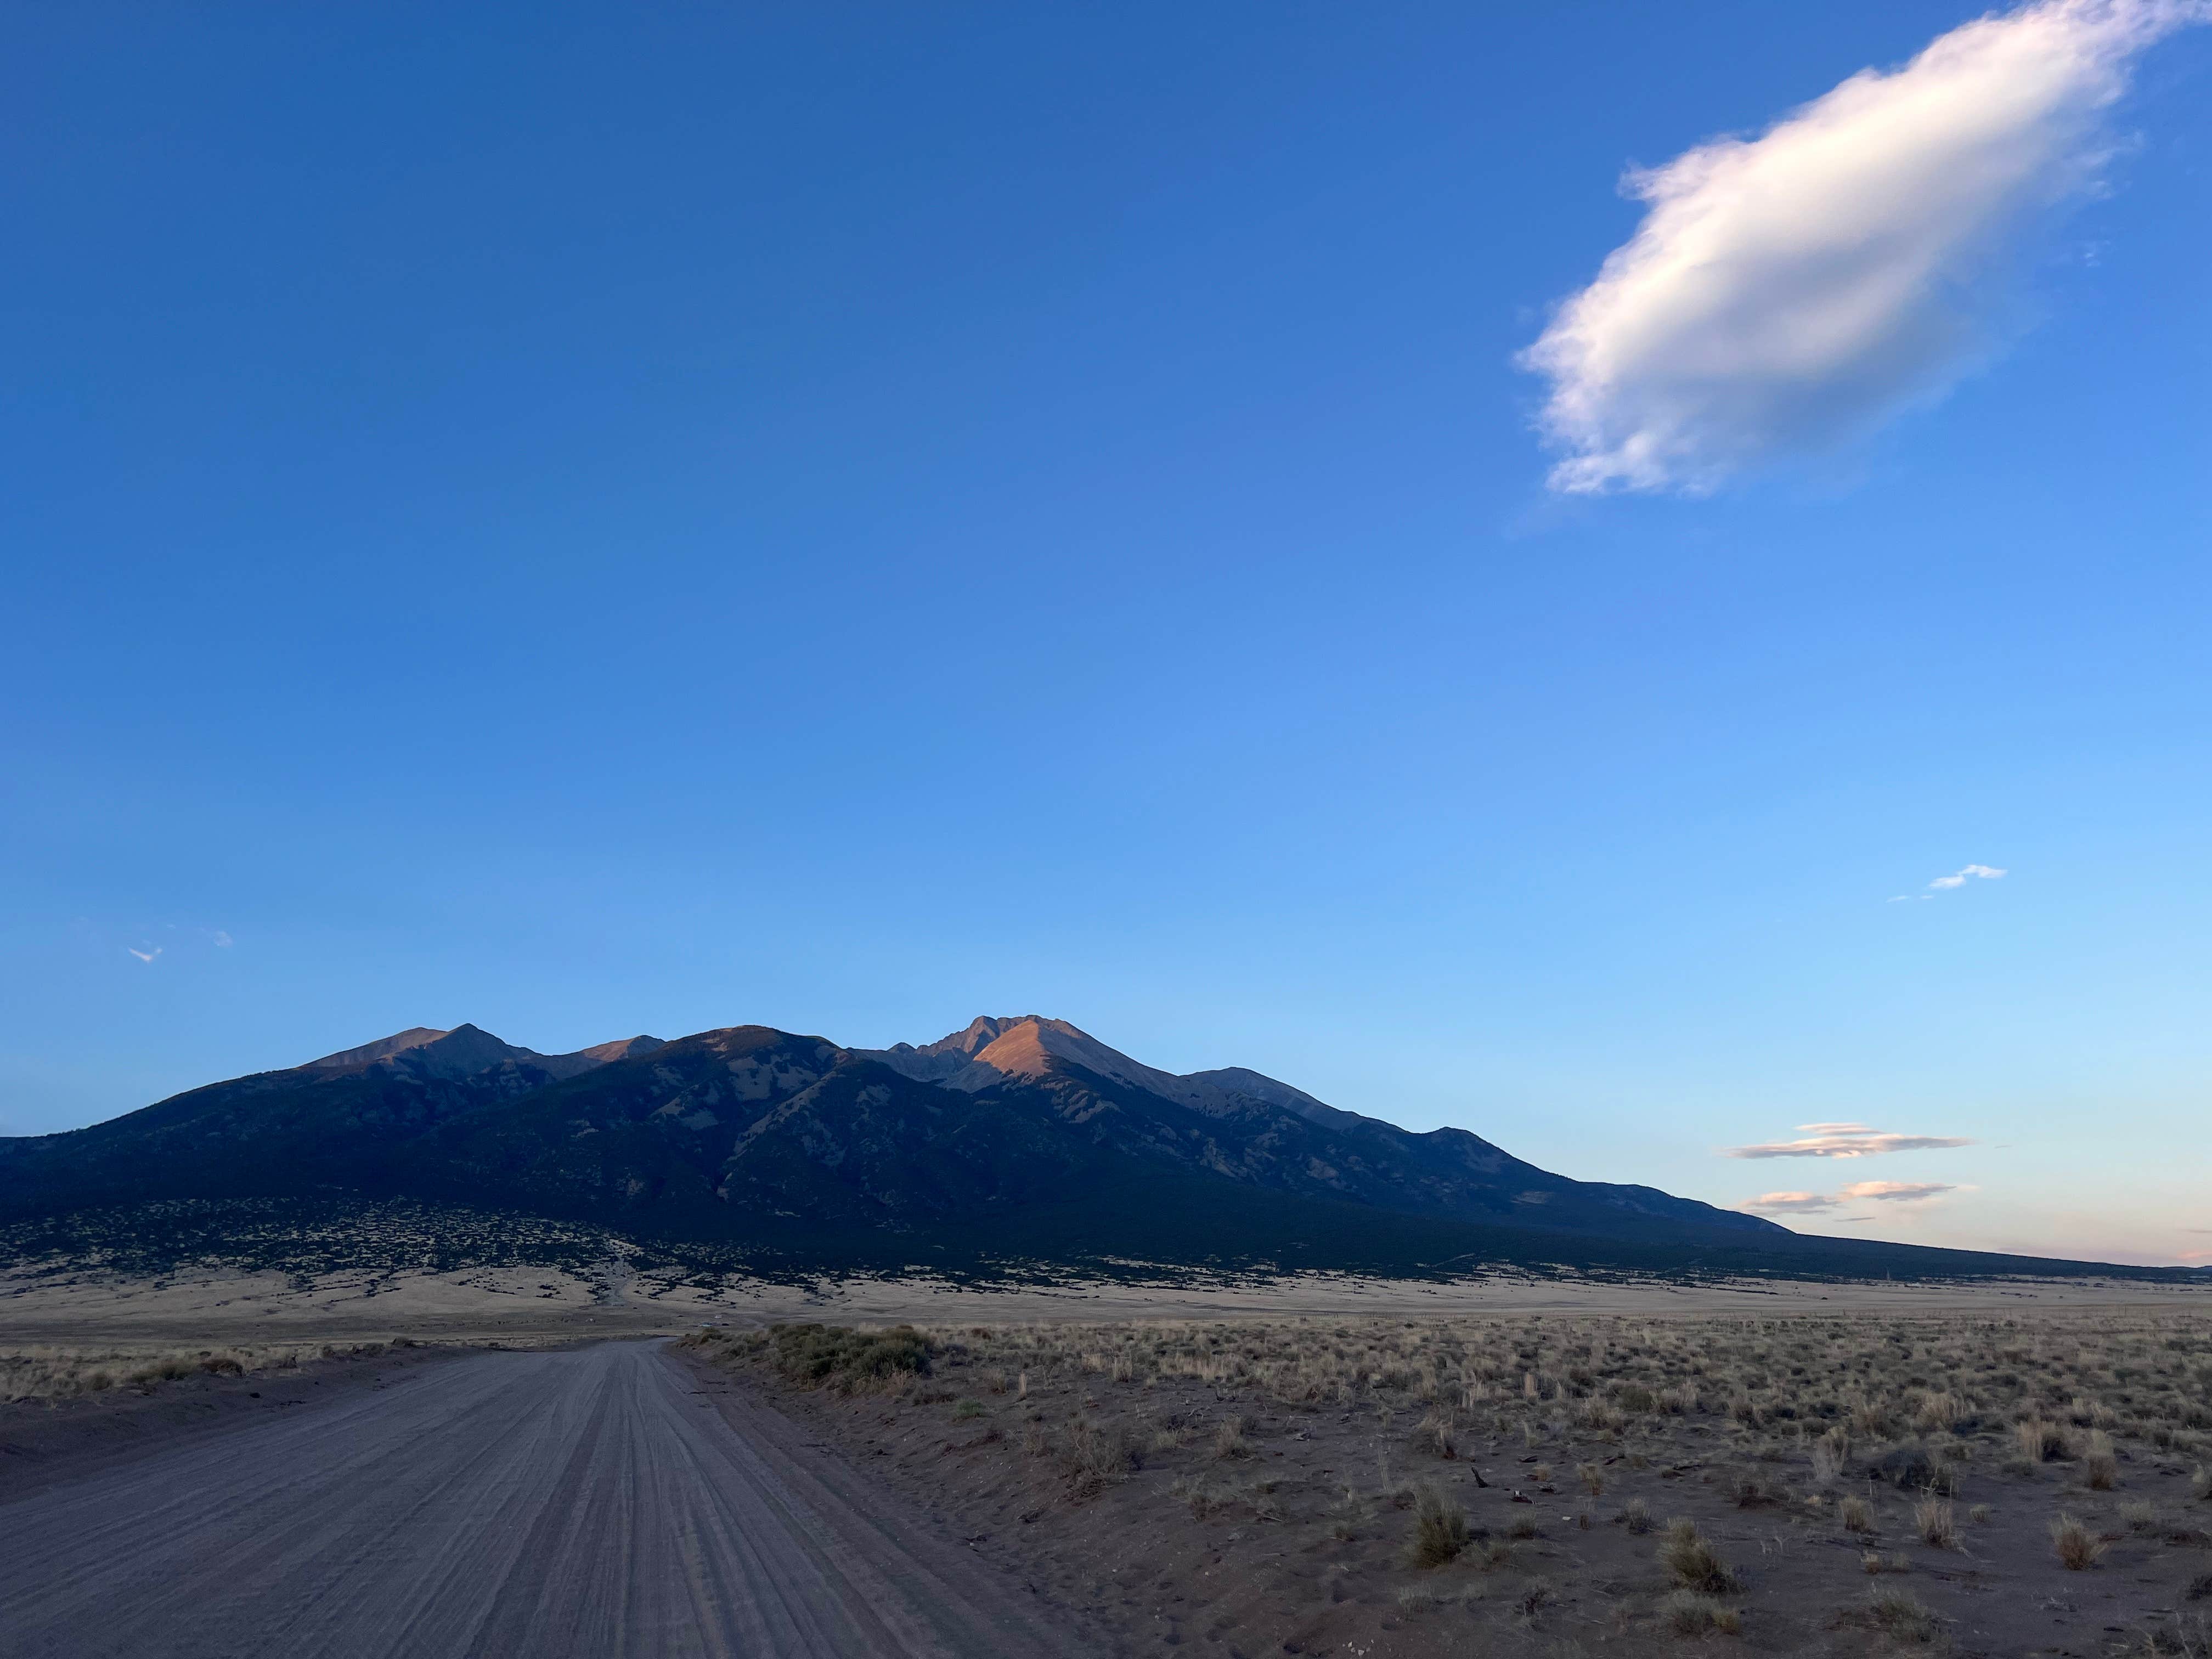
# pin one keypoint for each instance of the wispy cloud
(1795, 289)
(1895, 1192)
(1904, 1192)
(221, 939)
(1971, 873)
(1845, 1140)
(144, 955)
(1958, 877)
(1788, 1203)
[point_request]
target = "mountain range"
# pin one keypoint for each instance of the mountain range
(1019, 1140)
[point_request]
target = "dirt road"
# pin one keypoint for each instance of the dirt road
(604, 1503)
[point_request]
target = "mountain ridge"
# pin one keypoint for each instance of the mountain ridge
(1016, 1136)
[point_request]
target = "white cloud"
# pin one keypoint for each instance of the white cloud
(1904, 1192)
(1845, 1140)
(1788, 1203)
(1793, 290)
(144, 955)
(223, 941)
(1898, 1192)
(1957, 878)
(1960, 877)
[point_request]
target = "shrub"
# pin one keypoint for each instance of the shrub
(1858, 1515)
(2040, 1442)
(1750, 1492)
(1910, 1469)
(2077, 1547)
(1440, 1528)
(1097, 1455)
(1637, 1517)
(1200, 1498)
(2100, 1464)
(1688, 1614)
(1691, 1559)
(1900, 1613)
(838, 1357)
(1829, 1453)
(1435, 1431)
(1933, 1519)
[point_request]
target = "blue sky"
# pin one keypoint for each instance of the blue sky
(591, 521)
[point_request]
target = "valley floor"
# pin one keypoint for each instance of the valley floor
(1244, 1468)
(1834, 1483)
(47, 1302)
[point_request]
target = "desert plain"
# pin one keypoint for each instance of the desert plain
(1516, 1464)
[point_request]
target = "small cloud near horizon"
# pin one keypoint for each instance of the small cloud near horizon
(1790, 293)
(1846, 1140)
(1904, 1192)
(144, 955)
(1788, 1203)
(1895, 1192)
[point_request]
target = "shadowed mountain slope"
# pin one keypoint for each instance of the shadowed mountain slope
(1020, 1137)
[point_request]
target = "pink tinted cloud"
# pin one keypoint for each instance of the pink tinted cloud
(1845, 1140)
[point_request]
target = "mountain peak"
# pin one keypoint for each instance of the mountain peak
(399, 1042)
(993, 1048)
(622, 1048)
(984, 1029)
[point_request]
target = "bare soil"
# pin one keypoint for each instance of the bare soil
(1250, 1487)
(46, 1442)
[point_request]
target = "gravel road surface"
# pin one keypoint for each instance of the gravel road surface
(605, 1502)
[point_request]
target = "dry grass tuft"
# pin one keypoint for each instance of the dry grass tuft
(1438, 1433)
(1901, 1614)
(1696, 1565)
(2100, 1464)
(49, 1374)
(1687, 1612)
(1440, 1528)
(1934, 1520)
(2077, 1547)
(1858, 1515)
(1097, 1455)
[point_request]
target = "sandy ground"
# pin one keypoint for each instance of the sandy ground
(604, 1500)
(531, 1304)
(1310, 1565)
(1297, 1541)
